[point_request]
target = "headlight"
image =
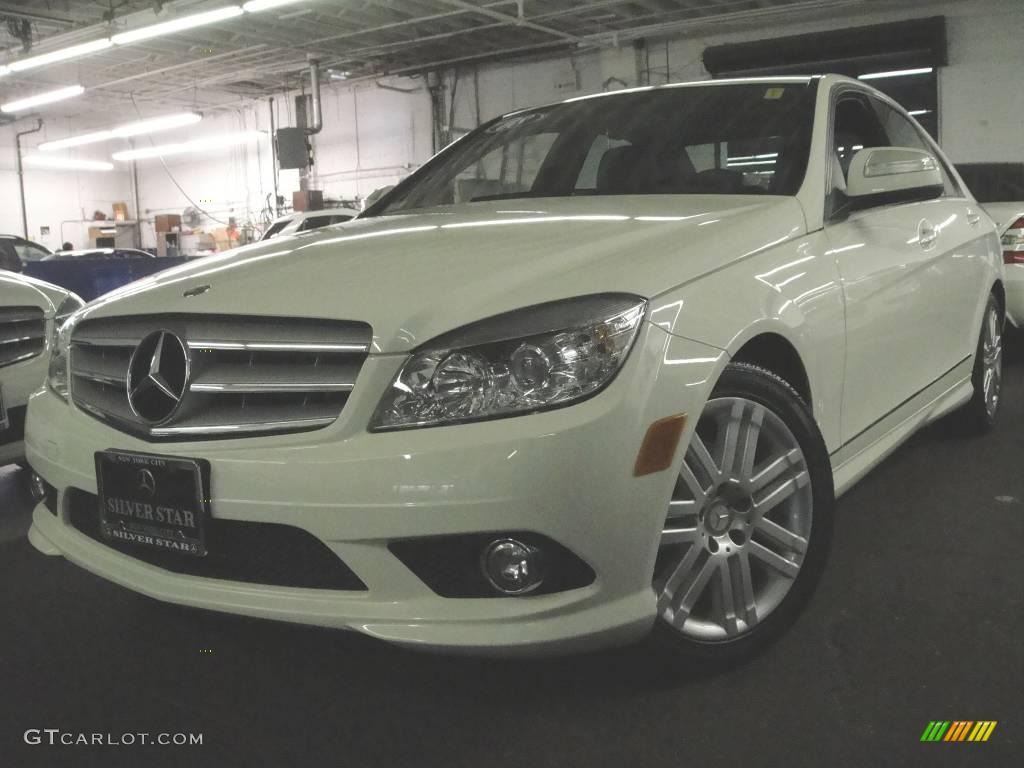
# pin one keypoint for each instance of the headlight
(57, 376)
(67, 308)
(544, 356)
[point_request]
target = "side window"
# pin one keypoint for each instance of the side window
(28, 252)
(592, 163)
(314, 222)
(855, 127)
(8, 257)
(903, 133)
(507, 170)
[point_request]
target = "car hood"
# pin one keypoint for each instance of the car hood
(24, 291)
(414, 276)
(1004, 214)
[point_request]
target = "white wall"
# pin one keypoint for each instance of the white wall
(54, 197)
(373, 136)
(981, 101)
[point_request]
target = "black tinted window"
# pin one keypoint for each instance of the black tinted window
(8, 257)
(994, 182)
(315, 222)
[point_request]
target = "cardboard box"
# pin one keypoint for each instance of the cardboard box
(167, 222)
(307, 200)
(120, 211)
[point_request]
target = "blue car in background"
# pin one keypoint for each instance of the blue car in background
(96, 271)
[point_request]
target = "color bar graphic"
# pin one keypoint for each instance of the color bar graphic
(958, 730)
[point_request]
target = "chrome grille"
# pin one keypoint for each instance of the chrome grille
(248, 375)
(22, 334)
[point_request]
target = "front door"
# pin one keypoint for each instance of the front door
(908, 275)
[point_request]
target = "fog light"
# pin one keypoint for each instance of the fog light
(38, 488)
(511, 567)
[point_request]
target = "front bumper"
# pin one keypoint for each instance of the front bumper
(17, 382)
(565, 474)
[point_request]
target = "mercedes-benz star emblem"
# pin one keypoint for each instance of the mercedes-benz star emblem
(146, 482)
(158, 377)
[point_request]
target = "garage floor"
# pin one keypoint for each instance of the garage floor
(919, 618)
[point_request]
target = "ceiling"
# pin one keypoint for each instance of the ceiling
(261, 53)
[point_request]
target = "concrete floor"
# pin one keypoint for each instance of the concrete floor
(918, 618)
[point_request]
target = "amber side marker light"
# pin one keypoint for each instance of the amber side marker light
(659, 445)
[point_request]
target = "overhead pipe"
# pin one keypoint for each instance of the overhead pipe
(21, 173)
(314, 87)
(273, 157)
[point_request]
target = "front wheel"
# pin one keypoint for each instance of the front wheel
(750, 521)
(979, 414)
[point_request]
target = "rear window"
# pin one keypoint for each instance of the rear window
(994, 182)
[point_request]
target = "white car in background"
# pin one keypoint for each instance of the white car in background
(999, 187)
(598, 367)
(308, 220)
(30, 312)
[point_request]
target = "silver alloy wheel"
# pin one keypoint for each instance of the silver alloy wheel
(992, 360)
(738, 524)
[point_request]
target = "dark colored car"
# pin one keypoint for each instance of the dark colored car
(100, 253)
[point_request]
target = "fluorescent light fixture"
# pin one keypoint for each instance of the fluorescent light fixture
(196, 145)
(155, 124)
(62, 55)
(896, 73)
(152, 125)
(254, 6)
(42, 98)
(916, 112)
(76, 141)
(57, 163)
(176, 25)
(765, 156)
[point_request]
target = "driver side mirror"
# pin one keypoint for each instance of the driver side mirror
(888, 175)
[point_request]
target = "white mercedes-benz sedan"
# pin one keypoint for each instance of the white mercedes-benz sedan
(598, 368)
(30, 312)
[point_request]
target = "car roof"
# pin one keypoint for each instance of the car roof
(827, 79)
(301, 215)
(98, 251)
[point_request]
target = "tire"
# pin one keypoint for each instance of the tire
(978, 416)
(775, 548)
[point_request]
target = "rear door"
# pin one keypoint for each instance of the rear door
(906, 270)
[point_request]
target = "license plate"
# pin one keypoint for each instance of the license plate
(154, 501)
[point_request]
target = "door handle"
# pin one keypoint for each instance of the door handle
(927, 234)
(973, 217)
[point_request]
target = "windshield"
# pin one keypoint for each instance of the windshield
(994, 182)
(274, 228)
(722, 139)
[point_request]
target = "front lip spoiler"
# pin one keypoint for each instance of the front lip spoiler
(557, 625)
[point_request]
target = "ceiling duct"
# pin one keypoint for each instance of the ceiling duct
(314, 87)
